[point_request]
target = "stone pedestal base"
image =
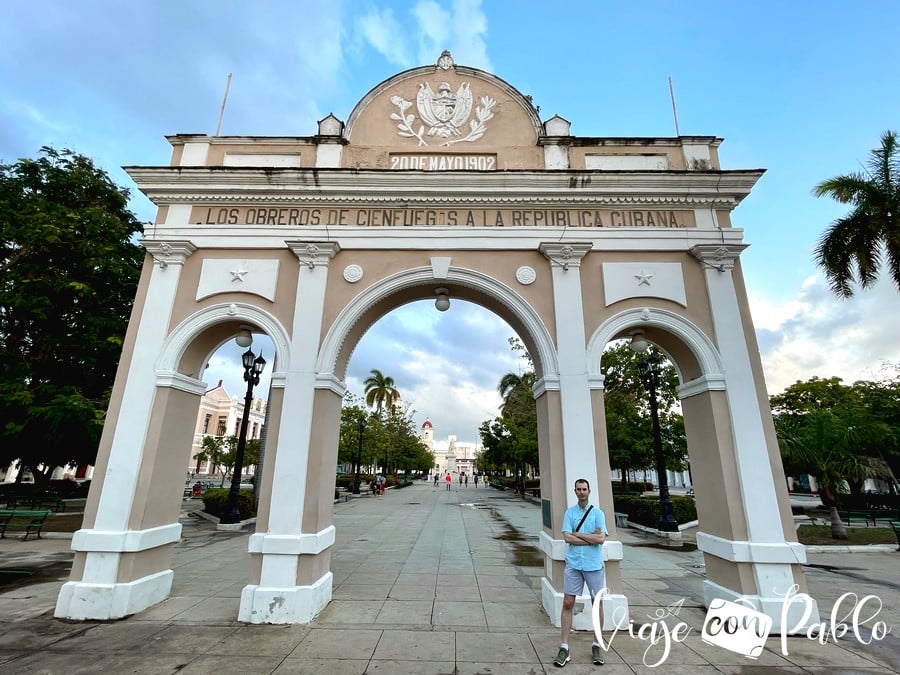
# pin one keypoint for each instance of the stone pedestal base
(297, 604)
(615, 609)
(84, 600)
(772, 606)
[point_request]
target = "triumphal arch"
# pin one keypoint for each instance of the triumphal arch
(443, 179)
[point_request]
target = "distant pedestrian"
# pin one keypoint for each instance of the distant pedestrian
(476, 479)
(447, 480)
(460, 480)
(435, 479)
(467, 480)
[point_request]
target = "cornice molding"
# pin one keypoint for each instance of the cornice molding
(721, 257)
(565, 254)
(170, 185)
(167, 252)
(314, 253)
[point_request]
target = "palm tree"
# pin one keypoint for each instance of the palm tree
(853, 248)
(380, 390)
(826, 446)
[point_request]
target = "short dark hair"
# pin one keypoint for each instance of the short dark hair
(583, 480)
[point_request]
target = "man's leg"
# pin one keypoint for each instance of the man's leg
(565, 618)
(596, 582)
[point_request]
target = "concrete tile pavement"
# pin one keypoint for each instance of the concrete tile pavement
(425, 581)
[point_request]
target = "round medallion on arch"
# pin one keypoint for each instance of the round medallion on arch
(353, 273)
(526, 275)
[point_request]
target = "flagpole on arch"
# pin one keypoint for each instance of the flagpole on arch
(674, 111)
(224, 99)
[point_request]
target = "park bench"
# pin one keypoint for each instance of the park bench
(870, 516)
(30, 520)
(41, 500)
(895, 526)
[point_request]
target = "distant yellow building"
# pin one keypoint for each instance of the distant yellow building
(220, 415)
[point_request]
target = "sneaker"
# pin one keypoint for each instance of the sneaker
(597, 655)
(562, 658)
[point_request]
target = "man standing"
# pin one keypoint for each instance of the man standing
(447, 480)
(584, 530)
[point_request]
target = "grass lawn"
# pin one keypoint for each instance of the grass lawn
(820, 535)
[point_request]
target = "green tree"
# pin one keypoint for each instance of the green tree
(220, 453)
(825, 445)
(510, 440)
(69, 269)
(868, 411)
(380, 390)
(628, 425)
(855, 247)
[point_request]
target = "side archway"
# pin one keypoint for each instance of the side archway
(181, 357)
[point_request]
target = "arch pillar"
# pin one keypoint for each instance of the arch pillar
(122, 554)
(752, 552)
(578, 437)
(290, 577)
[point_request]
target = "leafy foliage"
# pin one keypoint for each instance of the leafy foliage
(216, 499)
(840, 434)
(380, 390)
(856, 246)
(68, 274)
(220, 452)
(646, 511)
(629, 430)
(389, 439)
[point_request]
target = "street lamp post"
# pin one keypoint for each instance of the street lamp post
(650, 377)
(361, 423)
(253, 367)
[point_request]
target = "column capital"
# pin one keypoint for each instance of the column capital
(314, 253)
(168, 252)
(718, 256)
(565, 254)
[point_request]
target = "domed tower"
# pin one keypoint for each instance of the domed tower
(428, 434)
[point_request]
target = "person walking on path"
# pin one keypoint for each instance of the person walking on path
(435, 479)
(467, 480)
(584, 530)
(475, 477)
(447, 480)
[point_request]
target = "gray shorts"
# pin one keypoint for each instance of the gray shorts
(574, 581)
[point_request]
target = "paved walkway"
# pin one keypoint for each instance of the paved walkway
(426, 582)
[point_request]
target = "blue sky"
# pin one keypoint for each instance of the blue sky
(803, 90)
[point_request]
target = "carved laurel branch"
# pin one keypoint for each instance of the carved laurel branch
(406, 121)
(477, 128)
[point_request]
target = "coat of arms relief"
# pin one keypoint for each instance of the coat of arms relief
(443, 114)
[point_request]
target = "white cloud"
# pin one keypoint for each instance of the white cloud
(461, 29)
(817, 334)
(381, 30)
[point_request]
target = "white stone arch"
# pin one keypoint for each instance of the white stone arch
(181, 337)
(531, 321)
(699, 344)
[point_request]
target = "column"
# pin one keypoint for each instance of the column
(579, 450)
(101, 593)
(769, 556)
(278, 598)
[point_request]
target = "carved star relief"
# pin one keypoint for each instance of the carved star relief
(238, 275)
(643, 278)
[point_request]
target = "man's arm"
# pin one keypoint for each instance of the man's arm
(598, 536)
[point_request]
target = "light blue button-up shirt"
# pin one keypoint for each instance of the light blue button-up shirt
(589, 557)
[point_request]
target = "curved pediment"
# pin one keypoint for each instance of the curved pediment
(443, 116)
